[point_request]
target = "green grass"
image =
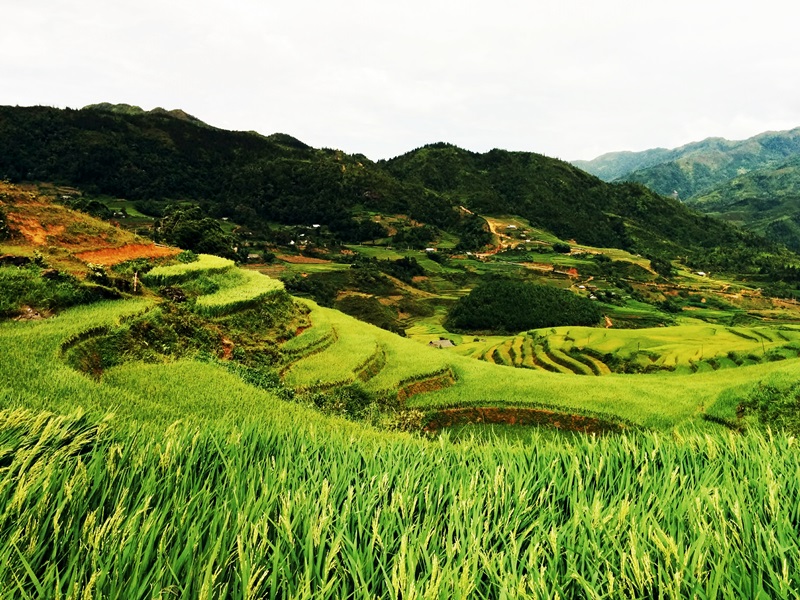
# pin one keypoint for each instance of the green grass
(279, 509)
(203, 486)
(674, 345)
(251, 287)
(171, 274)
(655, 400)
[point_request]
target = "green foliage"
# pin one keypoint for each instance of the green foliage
(404, 269)
(562, 248)
(369, 309)
(505, 305)
(473, 234)
(775, 406)
(186, 256)
(43, 290)
(415, 237)
(191, 229)
(320, 287)
(662, 266)
(90, 206)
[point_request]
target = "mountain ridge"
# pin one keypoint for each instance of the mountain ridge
(696, 167)
(254, 179)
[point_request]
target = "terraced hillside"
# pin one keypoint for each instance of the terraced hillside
(185, 476)
(681, 349)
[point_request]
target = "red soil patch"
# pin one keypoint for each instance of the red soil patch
(227, 349)
(302, 260)
(433, 384)
(32, 230)
(113, 256)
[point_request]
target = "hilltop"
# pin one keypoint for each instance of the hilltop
(161, 158)
(751, 183)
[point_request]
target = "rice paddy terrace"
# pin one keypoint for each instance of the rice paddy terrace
(205, 485)
(196, 476)
(680, 349)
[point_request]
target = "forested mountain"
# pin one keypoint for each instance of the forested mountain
(616, 165)
(126, 152)
(698, 167)
(766, 201)
(561, 198)
(243, 175)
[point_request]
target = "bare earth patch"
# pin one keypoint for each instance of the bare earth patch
(113, 256)
(32, 230)
(302, 260)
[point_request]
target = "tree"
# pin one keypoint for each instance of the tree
(511, 306)
(190, 229)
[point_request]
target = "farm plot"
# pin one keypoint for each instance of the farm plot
(172, 274)
(250, 287)
(337, 363)
(680, 349)
(340, 349)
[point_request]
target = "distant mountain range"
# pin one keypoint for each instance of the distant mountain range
(754, 182)
(254, 179)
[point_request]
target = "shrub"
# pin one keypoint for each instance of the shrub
(561, 248)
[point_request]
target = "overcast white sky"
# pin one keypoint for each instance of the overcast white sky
(568, 78)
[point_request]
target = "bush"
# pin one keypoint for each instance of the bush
(774, 406)
(561, 248)
(42, 290)
(370, 310)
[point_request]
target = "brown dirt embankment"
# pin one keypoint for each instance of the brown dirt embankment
(521, 416)
(114, 256)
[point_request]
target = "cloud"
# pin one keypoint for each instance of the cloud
(570, 79)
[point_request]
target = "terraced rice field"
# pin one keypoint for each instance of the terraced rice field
(681, 349)
(338, 350)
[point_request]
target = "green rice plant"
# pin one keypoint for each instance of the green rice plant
(253, 287)
(490, 355)
(503, 354)
(568, 362)
(517, 351)
(276, 508)
(546, 362)
(172, 274)
(596, 366)
(528, 353)
(201, 485)
(336, 365)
